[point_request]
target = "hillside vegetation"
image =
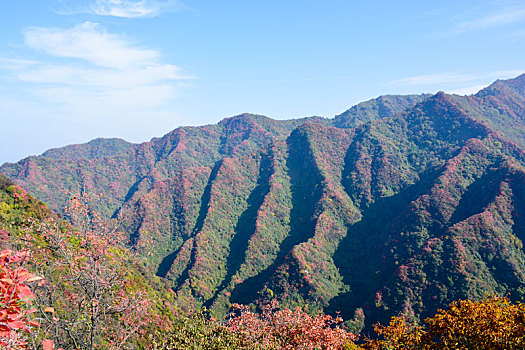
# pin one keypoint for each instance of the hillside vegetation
(401, 205)
(91, 292)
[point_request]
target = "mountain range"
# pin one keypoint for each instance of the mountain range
(399, 205)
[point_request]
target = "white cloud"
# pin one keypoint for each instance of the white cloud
(130, 9)
(15, 63)
(90, 72)
(85, 82)
(101, 78)
(89, 42)
(119, 8)
(509, 16)
(455, 78)
(432, 79)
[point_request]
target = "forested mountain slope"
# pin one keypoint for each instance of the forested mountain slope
(401, 215)
(118, 175)
(377, 212)
(501, 106)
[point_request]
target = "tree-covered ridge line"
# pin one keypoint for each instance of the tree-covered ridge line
(501, 106)
(138, 166)
(401, 214)
(94, 149)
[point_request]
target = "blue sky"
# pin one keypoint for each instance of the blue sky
(71, 71)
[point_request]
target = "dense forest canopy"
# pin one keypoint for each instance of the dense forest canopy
(397, 207)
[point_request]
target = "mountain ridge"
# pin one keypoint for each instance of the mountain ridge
(401, 213)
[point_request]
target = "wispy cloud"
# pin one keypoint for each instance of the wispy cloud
(461, 83)
(130, 8)
(120, 8)
(89, 42)
(433, 79)
(90, 71)
(502, 18)
(454, 77)
(15, 63)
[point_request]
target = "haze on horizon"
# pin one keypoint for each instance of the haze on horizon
(72, 70)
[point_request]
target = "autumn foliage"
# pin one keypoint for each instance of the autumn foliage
(16, 316)
(273, 328)
(491, 323)
(276, 328)
(399, 206)
(90, 298)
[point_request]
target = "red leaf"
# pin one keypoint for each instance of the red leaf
(48, 344)
(16, 325)
(24, 292)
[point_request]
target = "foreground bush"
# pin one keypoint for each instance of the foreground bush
(16, 314)
(276, 328)
(196, 332)
(492, 323)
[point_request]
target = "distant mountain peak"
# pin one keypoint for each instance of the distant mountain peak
(94, 149)
(248, 118)
(377, 108)
(514, 85)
